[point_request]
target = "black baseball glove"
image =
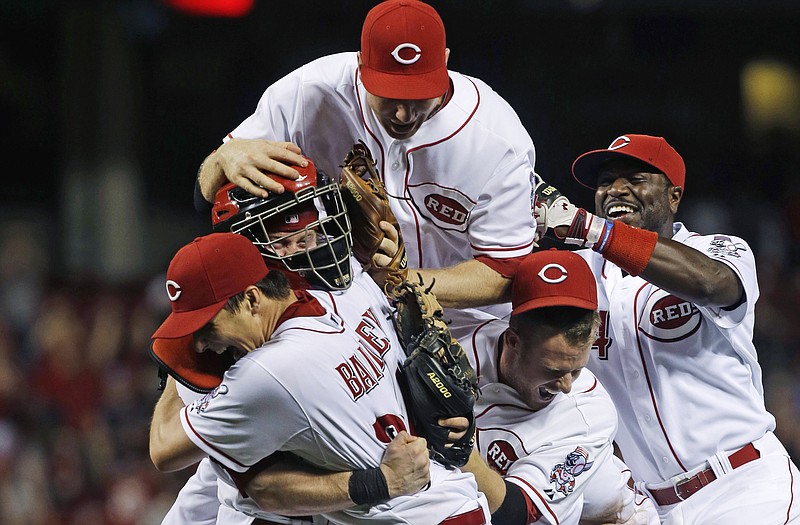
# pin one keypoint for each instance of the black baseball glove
(437, 379)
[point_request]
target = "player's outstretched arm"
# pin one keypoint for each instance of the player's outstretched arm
(294, 489)
(466, 285)
(673, 266)
(244, 161)
(691, 275)
(170, 447)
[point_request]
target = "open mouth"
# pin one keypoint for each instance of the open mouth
(402, 129)
(545, 394)
(617, 211)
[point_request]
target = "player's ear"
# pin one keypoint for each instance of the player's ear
(253, 299)
(675, 196)
(358, 54)
(446, 56)
(511, 340)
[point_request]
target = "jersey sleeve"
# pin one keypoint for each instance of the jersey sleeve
(737, 255)
(248, 417)
(501, 224)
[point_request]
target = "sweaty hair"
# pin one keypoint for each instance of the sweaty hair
(578, 325)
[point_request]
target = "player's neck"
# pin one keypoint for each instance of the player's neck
(443, 101)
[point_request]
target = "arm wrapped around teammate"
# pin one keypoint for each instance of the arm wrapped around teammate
(437, 379)
(367, 205)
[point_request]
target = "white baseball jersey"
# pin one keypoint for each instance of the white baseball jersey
(460, 187)
(324, 388)
(560, 456)
(198, 504)
(685, 378)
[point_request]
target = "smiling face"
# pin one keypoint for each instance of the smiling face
(635, 193)
(538, 368)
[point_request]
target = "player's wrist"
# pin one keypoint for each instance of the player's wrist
(628, 247)
(210, 176)
(368, 487)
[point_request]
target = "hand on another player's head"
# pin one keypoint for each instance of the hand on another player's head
(244, 162)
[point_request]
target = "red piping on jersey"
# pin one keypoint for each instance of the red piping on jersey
(594, 385)
(522, 247)
(408, 164)
(382, 169)
(544, 501)
(647, 376)
(475, 349)
(310, 308)
(189, 422)
(791, 491)
(502, 429)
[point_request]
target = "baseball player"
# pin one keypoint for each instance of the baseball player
(454, 157)
(675, 349)
(545, 425)
(291, 228)
(325, 366)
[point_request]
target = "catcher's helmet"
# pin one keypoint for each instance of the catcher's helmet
(309, 216)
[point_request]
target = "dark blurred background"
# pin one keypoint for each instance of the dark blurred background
(108, 107)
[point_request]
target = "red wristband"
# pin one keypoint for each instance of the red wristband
(628, 247)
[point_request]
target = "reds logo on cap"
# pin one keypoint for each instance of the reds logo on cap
(560, 271)
(403, 51)
(619, 142)
(553, 278)
(173, 290)
(407, 61)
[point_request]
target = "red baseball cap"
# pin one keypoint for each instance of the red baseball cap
(203, 275)
(403, 51)
(654, 151)
(553, 278)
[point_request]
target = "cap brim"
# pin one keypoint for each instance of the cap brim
(180, 324)
(201, 372)
(420, 86)
(541, 302)
(586, 167)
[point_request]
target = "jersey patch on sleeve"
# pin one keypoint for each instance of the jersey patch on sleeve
(199, 406)
(723, 246)
(563, 474)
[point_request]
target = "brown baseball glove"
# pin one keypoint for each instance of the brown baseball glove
(367, 205)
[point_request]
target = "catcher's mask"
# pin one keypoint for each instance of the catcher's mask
(304, 230)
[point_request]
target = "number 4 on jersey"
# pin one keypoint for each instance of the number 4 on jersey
(603, 342)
